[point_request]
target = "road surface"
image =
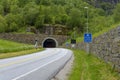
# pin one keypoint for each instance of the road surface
(38, 66)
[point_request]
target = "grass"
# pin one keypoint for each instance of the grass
(20, 53)
(11, 49)
(9, 46)
(80, 39)
(88, 67)
(106, 30)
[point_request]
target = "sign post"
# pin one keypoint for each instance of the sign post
(87, 40)
(87, 36)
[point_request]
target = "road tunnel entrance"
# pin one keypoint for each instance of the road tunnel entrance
(49, 43)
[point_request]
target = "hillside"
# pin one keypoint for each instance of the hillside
(106, 5)
(97, 3)
(19, 15)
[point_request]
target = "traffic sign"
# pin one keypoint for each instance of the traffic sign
(87, 37)
(73, 41)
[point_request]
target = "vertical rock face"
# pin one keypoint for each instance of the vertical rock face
(106, 46)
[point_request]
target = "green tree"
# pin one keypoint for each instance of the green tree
(64, 19)
(117, 13)
(107, 7)
(59, 2)
(30, 13)
(6, 6)
(14, 9)
(13, 22)
(1, 10)
(75, 19)
(39, 21)
(22, 3)
(13, 27)
(3, 24)
(47, 13)
(45, 2)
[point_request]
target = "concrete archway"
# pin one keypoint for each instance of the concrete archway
(49, 43)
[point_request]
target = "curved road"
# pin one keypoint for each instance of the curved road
(38, 66)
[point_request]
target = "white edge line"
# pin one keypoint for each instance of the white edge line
(37, 68)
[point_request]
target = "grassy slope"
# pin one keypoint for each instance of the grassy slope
(80, 39)
(13, 54)
(11, 49)
(9, 46)
(88, 67)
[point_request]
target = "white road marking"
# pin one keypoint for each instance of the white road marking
(38, 67)
(25, 60)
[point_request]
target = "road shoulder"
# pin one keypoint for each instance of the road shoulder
(64, 73)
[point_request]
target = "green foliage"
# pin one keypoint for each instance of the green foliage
(74, 19)
(1, 10)
(117, 13)
(39, 21)
(19, 14)
(100, 23)
(3, 24)
(104, 30)
(15, 9)
(13, 22)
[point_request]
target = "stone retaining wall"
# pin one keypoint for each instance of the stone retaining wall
(30, 38)
(106, 47)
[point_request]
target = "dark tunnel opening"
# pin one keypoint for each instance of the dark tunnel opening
(49, 43)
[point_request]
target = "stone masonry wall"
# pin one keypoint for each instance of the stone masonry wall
(30, 38)
(106, 47)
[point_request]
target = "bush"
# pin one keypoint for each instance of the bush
(3, 24)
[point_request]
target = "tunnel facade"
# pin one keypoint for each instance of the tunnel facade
(49, 43)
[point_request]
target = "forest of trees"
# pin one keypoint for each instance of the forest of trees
(17, 15)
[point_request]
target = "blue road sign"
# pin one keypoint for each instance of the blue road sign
(87, 37)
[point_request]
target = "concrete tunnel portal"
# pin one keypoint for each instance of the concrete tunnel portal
(49, 43)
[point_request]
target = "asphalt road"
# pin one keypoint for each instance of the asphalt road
(38, 66)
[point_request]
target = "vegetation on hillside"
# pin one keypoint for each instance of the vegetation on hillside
(106, 5)
(17, 15)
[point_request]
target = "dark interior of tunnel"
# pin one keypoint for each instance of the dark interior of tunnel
(49, 43)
